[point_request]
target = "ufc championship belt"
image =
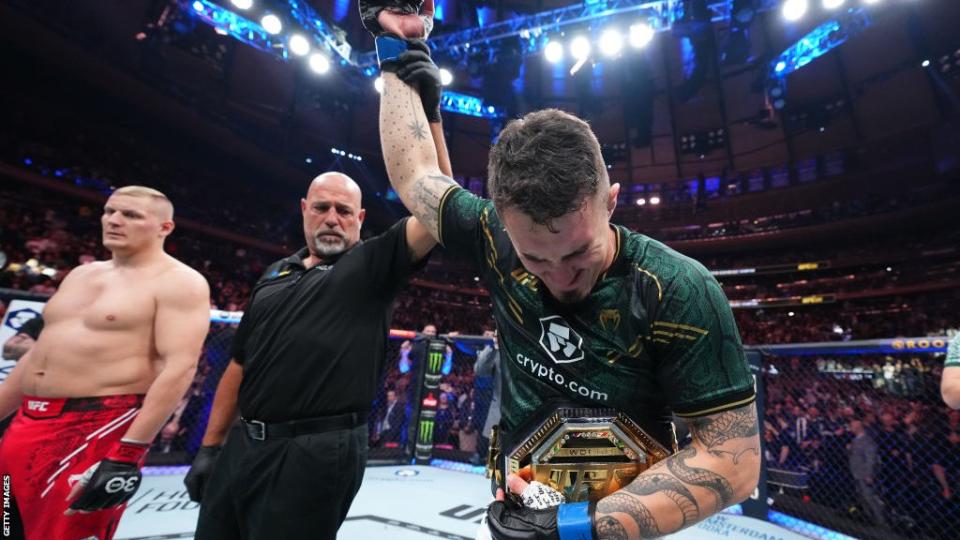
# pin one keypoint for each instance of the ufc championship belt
(584, 453)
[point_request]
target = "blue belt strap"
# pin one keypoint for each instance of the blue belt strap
(573, 521)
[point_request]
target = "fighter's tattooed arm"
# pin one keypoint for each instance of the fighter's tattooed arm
(410, 153)
(719, 468)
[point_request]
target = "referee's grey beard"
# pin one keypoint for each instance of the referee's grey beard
(330, 244)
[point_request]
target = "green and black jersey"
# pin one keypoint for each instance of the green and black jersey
(655, 336)
(953, 352)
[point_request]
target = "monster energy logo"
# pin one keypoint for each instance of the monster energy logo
(434, 362)
(426, 430)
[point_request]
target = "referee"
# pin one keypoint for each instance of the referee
(306, 361)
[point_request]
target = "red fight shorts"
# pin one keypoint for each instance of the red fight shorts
(46, 449)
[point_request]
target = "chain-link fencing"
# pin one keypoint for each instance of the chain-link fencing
(855, 435)
(857, 438)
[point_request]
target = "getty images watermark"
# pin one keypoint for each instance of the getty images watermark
(6, 506)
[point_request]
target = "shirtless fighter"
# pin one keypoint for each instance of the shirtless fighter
(119, 349)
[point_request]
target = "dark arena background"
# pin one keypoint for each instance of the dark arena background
(806, 151)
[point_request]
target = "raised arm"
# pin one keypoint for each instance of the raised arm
(410, 152)
(720, 468)
(419, 238)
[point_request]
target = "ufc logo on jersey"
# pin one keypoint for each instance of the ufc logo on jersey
(116, 485)
(40, 406)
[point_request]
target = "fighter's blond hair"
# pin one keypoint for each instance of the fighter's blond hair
(143, 191)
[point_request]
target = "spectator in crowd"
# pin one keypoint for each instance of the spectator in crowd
(894, 457)
(863, 462)
(445, 421)
(18, 344)
(14, 349)
(487, 369)
(776, 448)
(391, 422)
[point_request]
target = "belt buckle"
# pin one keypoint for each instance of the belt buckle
(584, 453)
(261, 428)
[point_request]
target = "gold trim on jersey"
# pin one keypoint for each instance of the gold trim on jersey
(719, 408)
(655, 280)
(681, 327)
(616, 252)
(443, 201)
(492, 263)
(664, 333)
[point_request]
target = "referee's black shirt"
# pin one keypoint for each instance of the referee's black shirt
(313, 342)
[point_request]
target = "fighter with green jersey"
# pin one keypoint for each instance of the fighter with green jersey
(589, 312)
(654, 335)
(950, 385)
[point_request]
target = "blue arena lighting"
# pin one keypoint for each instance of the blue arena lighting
(660, 14)
(457, 466)
(456, 102)
(804, 527)
(341, 9)
(235, 25)
(308, 18)
(821, 40)
(252, 33)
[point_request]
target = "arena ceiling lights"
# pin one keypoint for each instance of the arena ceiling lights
(287, 28)
(794, 10)
(553, 52)
(271, 23)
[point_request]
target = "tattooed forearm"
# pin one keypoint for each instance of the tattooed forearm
(715, 430)
(624, 503)
(670, 487)
(690, 485)
(695, 476)
(417, 129)
(427, 192)
(609, 528)
(410, 153)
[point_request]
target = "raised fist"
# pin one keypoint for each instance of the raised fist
(411, 19)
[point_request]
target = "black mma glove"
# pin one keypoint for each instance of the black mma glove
(200, 471)
(370, 10)
(541, 516)
(113, 480)
(416, 68)
(508, 521)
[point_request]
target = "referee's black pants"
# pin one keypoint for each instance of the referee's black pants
(294, 487)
